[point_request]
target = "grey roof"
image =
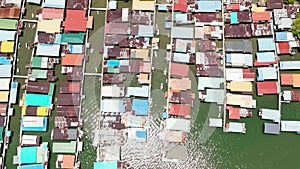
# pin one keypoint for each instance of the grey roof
(183, 32)
(239, 46)
(176, 152)
(271, 128)
(72, 134)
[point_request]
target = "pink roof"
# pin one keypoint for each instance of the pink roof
(267, 88)
(179, 69)
(52, 13)
(75, 21)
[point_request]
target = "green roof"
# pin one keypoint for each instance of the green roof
(1, 134)
(8, 24)
(59, 147)
(51, 90)
(39, 74)
(36, 62)
(73, 38)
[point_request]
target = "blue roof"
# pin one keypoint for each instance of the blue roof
(76, 49)
(141, 134)
(168, 25)
(233, 18)
(113, 63)
(266, 44)
(106, 165)
(57, 39)
(209, 6)
(162, 7)
(32, 166)
(13, 92)
(4, 61)
(228, 58)
(281, 36)
(28, 155)
(265, 57)
(140, 107)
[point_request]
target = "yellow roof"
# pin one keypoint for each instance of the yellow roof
(41, 111)
(4, 96)
(49, 26)
(241, 100)
(143, 78)
(143, 5)
(7, 47)
(255, 8)
(240, 86)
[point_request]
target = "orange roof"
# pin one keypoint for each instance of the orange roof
(89, 24)
(52, 13)
(290, 79)
(72, 60)
(261, 16)
(74, 87)
(68, 161)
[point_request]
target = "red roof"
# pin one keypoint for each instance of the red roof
(180, 7)
(261, 16)
(283, 48)
(75, 20)
(249, 73)
(234, 113)
(179, 69)
(52, 13)
(267, 88)
(256, 63)
(72, 60)
(233, 7)
(180, 109)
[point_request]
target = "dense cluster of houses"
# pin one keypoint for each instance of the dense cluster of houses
(125, 90)
(61, 28)
(9, 13)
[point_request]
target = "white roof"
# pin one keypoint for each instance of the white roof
(138, 91)
(269, 114)
(181, 57)
(215, 122)
(4, 83)
(183, 32)
(285, 23)
(289, 65)
(246, 101)
(240, 59)
(287, 95)
(48, 49)
(112, 91)
(113, 105)
(209, 82)
(178, 124)
(112, 4)
(54, 3)
(236, 127)
(125, 14)
(266, 73)
(290, 126)
(236, 74)
(34, 1)
(17, 2)
(7, 35)
(29, 139)
(33, 121)
(5, 70)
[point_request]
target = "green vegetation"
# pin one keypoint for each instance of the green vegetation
(31, 11)
(296, 26)
(289, 1)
